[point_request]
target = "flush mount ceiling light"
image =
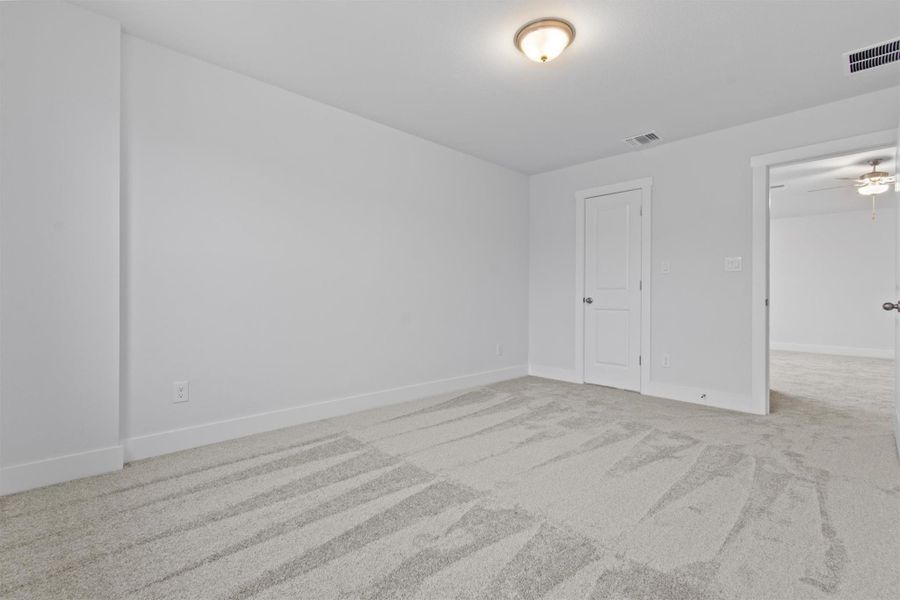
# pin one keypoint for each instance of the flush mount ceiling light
(544, 39)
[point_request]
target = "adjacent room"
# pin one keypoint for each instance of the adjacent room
(450, 299)
(832, 262)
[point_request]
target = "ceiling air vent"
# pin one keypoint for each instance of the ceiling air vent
(645, 139)
(874, 56)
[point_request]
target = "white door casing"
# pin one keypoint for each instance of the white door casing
(612, 289)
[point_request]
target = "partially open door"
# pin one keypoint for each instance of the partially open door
(896, 298)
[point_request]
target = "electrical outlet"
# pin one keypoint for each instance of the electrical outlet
(666, 361)
(182, 391)
(665, 267)
(499, 349)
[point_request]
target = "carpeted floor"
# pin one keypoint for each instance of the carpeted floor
(524, 489)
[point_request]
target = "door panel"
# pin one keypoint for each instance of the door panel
(612, 282)
(896, 298)
(612, 328)
(610, 247)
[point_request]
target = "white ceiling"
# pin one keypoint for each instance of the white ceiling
(795, 198)
(448, 71)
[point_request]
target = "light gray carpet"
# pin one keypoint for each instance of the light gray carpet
(839, 381)
(524, 489)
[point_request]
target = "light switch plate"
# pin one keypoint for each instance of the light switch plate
(733, 263)
(665, 267)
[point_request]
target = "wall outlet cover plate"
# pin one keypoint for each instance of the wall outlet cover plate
(181, 391)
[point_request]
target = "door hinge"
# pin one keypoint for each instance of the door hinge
(767, 301)
(640, 284)
(639, 360)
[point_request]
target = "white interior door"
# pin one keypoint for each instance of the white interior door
(896, 299)
(612, 290)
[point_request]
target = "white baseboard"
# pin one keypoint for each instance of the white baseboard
(40, 473)
(668, 391)
(553, 373)
(156, 444)
(716, 399)
(838, 350)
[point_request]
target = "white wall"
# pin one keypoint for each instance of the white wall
(59, 244)
(281, 253)
(700, 314)
(829, 275)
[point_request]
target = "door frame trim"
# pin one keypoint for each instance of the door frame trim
(646, 186)
(759, 286)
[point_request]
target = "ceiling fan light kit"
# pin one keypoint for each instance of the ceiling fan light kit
(874, 182)
(872, 189)
(869, 184)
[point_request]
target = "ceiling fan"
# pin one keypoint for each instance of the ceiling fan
(868, 184)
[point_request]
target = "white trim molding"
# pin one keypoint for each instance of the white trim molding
(646, 187)
(59, 469)
(836, 350)
(857, 143)
(156, 444)
(759, 287)
(556, 373)
(712, 398)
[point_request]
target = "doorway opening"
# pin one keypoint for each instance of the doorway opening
(832, 264)
(803, 165)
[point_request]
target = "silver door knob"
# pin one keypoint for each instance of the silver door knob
(588, 300)
(891, 306)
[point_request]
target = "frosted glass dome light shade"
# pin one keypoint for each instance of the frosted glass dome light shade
(870, 189)
(544, 39)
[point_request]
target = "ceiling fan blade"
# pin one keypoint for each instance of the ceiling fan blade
(856, 179)
(776, 187)
(833, 187)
